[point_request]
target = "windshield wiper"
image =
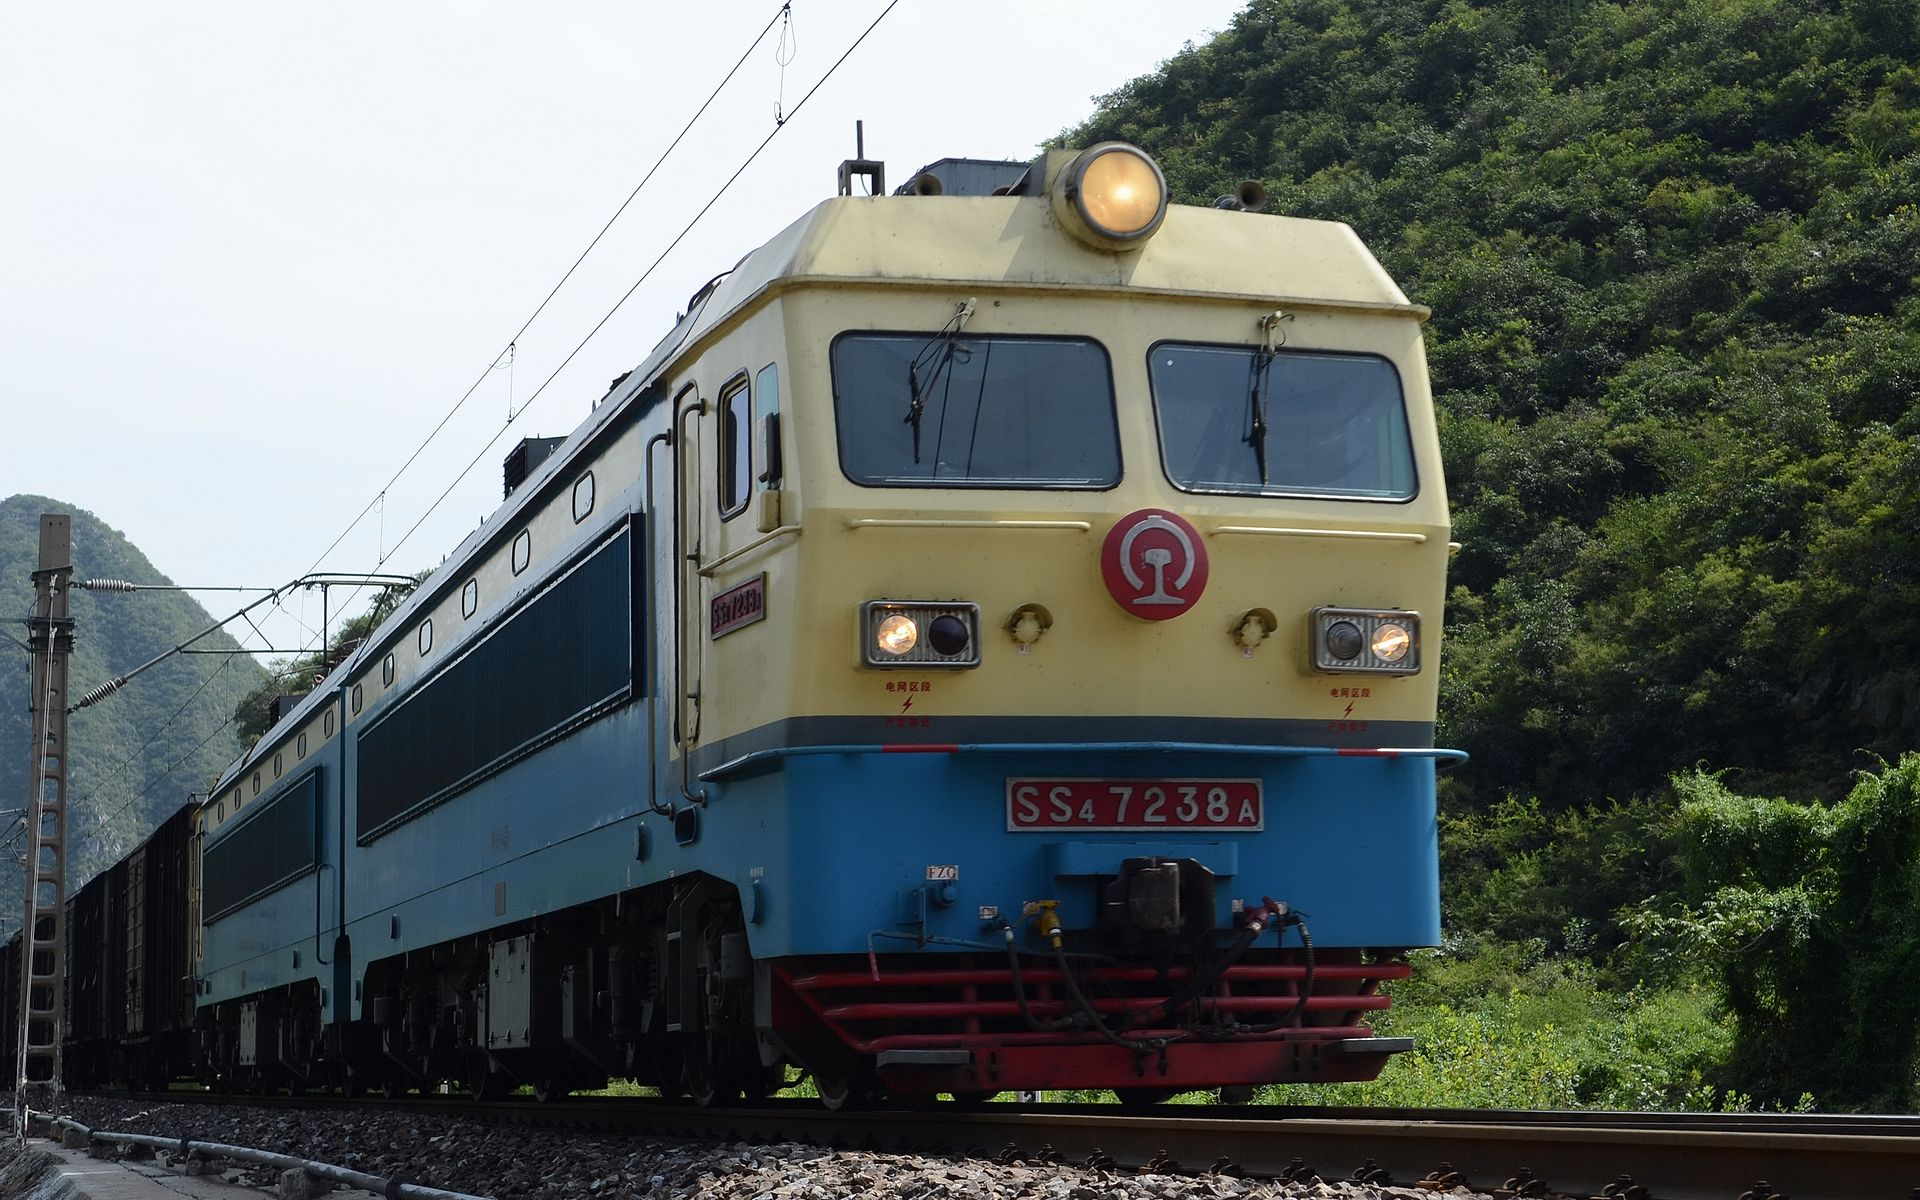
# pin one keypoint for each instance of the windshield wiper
(1270, 342)
(939, 354)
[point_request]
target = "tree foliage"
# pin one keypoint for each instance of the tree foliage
(295, 677)
(1810, 917)
(1671, 251)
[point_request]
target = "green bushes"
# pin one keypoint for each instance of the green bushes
(1808, 918)
(1501, 1026)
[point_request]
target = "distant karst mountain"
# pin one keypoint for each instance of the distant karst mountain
(137, 755)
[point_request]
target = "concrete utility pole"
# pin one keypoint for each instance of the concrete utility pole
(50, 643)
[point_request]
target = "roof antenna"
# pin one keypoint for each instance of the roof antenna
(860, 164)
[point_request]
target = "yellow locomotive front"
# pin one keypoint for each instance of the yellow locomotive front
(1067, 602)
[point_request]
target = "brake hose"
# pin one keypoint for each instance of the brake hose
(1306, 983)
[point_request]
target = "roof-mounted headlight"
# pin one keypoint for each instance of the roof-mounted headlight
(1111, 196)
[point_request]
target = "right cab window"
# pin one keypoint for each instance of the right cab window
(1246, 421)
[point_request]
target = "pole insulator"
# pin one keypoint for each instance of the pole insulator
(102, 692)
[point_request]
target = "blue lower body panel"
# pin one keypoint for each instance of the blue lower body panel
(836, 846)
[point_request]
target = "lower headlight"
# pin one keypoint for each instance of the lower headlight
(914, 633)
(1378, 641)
(897, 636)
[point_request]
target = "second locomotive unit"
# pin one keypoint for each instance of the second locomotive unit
(990, 644)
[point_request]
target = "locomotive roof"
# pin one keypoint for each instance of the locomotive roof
(1014, 241)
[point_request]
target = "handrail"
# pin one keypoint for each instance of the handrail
(649, 634)
(707, 572)
(683, 715)
(963, 523)
(1365, 535)
(755, 758)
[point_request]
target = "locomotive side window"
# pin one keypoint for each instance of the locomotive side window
(736, 448)
(582, 497)
(766, 426)
(522, 551)
(949, 410)
(1283, 423)
(470, 598)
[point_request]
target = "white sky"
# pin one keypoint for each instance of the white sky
(250, 254)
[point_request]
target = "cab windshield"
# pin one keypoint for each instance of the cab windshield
(1235, 419)
(946, 409)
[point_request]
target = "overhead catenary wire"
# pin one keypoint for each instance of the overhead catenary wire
(644, 276)
(555, 290)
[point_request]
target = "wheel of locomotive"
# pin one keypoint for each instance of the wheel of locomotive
(758, 1082)
(488, 1085)
(1139, 1098)
(846, 1095)
(709, 1084)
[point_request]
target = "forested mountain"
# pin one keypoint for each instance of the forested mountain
(137, 754)
(1671, 251)
(1670, 248)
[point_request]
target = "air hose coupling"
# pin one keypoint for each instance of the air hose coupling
(1046, 920)
(1268, 912)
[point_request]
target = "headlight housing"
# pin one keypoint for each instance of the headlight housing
(1111, 195)
(1364, 640)
(920, 634)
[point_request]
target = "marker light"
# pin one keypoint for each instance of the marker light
(1344, 641)
(1364, 641)
(948, 635)
(920, 633)
(897, 636)
(1112, 196)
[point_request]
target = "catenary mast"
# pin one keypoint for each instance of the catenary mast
(50, 643)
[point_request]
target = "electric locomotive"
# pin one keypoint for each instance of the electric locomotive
(989, 644)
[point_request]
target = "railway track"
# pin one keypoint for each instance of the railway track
(1670, 1156)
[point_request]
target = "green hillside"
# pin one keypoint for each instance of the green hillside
(137, 754)
(1670, 249)
(1671, 252)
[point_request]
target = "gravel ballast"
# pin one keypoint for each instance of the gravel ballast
(515, 1163)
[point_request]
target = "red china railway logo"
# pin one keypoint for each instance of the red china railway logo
(1154, 563)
